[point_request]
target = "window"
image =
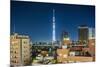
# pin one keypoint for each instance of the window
(11, 56)
(15, 57)
(93, 44)
(16, 61)
(16, 52)
(11, 51)
(25, 42)
(16, 46)
(24, 46)
(12, 61)
(25, 51)
(11, 47)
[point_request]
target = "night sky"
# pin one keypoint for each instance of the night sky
(35, 19)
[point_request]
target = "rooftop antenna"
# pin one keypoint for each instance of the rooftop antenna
(14, 29)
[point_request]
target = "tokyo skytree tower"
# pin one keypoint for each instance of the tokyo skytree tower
(53, 32)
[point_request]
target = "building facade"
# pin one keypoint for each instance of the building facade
(20, 50)
(91, 33)
(83, 33)
(91, 42)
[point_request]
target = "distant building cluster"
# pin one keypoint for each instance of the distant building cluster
(24, 52)
(81, 51)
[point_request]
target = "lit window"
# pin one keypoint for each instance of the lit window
(65, 56)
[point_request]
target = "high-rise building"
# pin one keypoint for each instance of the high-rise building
(53, 25)
(91, 33)
(20, 50)
(83, 33)
(65, 39)
(62, 54)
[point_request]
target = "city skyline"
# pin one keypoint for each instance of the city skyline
(35, 19)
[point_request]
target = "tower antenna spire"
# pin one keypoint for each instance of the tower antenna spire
(14, 28)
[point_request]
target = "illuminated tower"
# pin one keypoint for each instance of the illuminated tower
(53, 33)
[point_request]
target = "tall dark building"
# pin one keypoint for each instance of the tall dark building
(83, 33)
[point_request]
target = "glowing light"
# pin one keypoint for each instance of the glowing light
(66, 38)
